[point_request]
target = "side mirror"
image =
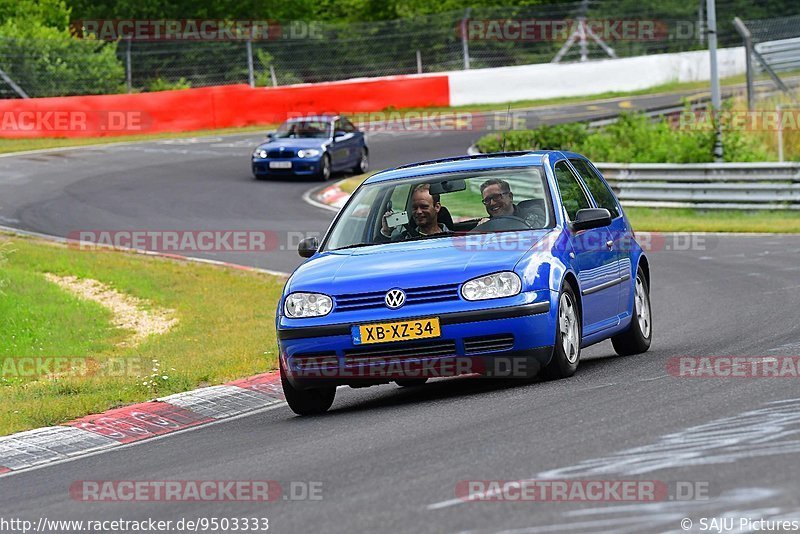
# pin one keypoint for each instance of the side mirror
(589, 218)
(308, 247)
(271, 136)
(338, 134)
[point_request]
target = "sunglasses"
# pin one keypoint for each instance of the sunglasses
(494, 198)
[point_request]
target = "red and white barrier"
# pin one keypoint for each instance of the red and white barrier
(241, 105)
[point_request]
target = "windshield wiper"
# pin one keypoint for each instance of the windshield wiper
(354, 245)
(429, 236)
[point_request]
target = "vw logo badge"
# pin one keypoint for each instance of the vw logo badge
(395, 298)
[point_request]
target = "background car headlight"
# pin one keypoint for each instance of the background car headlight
(308, 153)
(260, 154)
(492, 286)
(307, 305)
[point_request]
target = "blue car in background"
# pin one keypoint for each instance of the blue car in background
(504, 265)
(312, 146)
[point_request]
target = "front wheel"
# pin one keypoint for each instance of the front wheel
(567, 349)
(637, 338)
(307, 402)
(325, 168)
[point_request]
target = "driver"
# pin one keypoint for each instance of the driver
(499, 202)
(425, 213)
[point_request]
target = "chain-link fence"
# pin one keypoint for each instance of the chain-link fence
(470, 38)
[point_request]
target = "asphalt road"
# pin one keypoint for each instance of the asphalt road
(391, 459)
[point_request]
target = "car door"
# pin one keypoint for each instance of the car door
(595, 259)
(619, 230)
(343, 146)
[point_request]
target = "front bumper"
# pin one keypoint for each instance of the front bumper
(510, 341)
(300, 167)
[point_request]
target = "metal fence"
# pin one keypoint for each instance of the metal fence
(747, 186)
(331, 52)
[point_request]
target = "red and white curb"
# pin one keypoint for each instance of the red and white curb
(333, 196)
(139, 422)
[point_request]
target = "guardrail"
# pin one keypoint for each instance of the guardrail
(746, 186)
(782, 55)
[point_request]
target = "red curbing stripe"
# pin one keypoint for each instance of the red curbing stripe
(267, 383)
(140, 421)
(4, 469)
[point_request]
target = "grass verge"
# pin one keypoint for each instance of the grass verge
(687, 219)
(694, 220)
(225, 330)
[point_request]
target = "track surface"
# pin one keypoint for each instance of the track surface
(390, 458)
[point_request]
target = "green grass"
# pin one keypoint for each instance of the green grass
(19, 145)
(348, 185)
(225, 330)
(694, 220)
(660, 219)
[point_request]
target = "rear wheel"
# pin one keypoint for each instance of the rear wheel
(567, 349)
(410, 382)
(309, 401)
(363, 162)
(637, 338)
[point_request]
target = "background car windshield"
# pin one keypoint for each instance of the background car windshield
(297, 129)
(461, 211)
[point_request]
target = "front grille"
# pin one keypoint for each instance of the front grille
(307, 361)
(277, 153)
(375, 299)
(400, 351)
(488, 343)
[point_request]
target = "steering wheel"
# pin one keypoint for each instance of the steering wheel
(539, 217)
(502, 222)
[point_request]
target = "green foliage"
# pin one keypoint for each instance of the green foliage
(634, 138)
(38, 52)
(160, 84)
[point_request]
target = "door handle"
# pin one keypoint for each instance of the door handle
(610, 244)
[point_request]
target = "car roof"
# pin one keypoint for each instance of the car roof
(476, 162)
(321, 118)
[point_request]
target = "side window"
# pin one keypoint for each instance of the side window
(347, 126)
(602, 195)
(337, 127)
(572, 194)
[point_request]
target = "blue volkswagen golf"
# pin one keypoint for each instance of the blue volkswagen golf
(504, 265)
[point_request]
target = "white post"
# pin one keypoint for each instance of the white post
(716, 98)
(465, 38)
(419, 62)
(780, 132)
(272, 75)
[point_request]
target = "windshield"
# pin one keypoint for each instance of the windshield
(307, 128)
(436, 206)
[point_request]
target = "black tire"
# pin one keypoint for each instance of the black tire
(563, 365)
(308, 401)
(363, 162)
(325, 168)
(637, 338)
(410, 382)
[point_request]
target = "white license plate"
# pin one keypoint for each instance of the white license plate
(280, 164)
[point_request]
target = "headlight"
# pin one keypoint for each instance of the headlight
(492, 286)
(260, 154)
(307, 305)
(308, 153)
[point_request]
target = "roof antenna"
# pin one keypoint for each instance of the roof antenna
(508, 123)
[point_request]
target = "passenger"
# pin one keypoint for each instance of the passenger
(499, 202)
(425, 212)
